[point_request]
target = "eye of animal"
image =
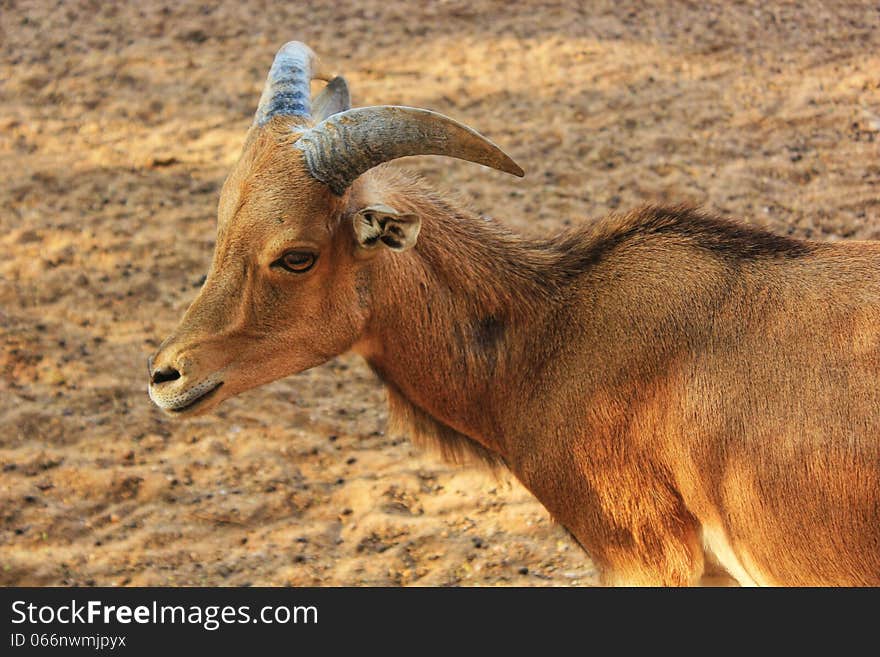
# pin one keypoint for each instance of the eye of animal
(297, 262)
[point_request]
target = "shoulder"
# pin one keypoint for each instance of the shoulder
(691, 228)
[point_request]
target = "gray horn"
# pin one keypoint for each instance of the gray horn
(286, 92)
(334, 99)
(343, 146)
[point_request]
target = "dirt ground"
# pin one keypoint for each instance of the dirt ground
(118, 123)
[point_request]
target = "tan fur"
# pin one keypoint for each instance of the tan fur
(675, 389)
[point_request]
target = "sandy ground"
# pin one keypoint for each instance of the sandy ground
(118, 123)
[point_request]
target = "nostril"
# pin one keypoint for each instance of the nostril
(165, 374)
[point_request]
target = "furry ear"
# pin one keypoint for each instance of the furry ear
(381, 223)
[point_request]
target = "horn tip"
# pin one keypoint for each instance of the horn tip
(295, 45)
(319, 71)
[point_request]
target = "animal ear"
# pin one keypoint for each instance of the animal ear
(379, 223)
(334, 98)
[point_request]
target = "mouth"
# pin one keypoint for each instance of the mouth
(197, 401)
(186, 401)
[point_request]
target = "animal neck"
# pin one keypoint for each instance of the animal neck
(450, 325)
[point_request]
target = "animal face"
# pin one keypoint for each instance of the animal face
(299, 234)
(281, 293)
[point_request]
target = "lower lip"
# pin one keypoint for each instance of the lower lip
(197, 401)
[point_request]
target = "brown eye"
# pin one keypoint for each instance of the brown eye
(297, 262)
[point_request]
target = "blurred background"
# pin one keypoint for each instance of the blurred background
(118, 124)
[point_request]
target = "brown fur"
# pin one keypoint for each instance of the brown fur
(663, 381)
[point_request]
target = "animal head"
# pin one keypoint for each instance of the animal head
(300, 235)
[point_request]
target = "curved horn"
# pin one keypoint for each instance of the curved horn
(345, 145)
(333, 99)
(287, 87)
